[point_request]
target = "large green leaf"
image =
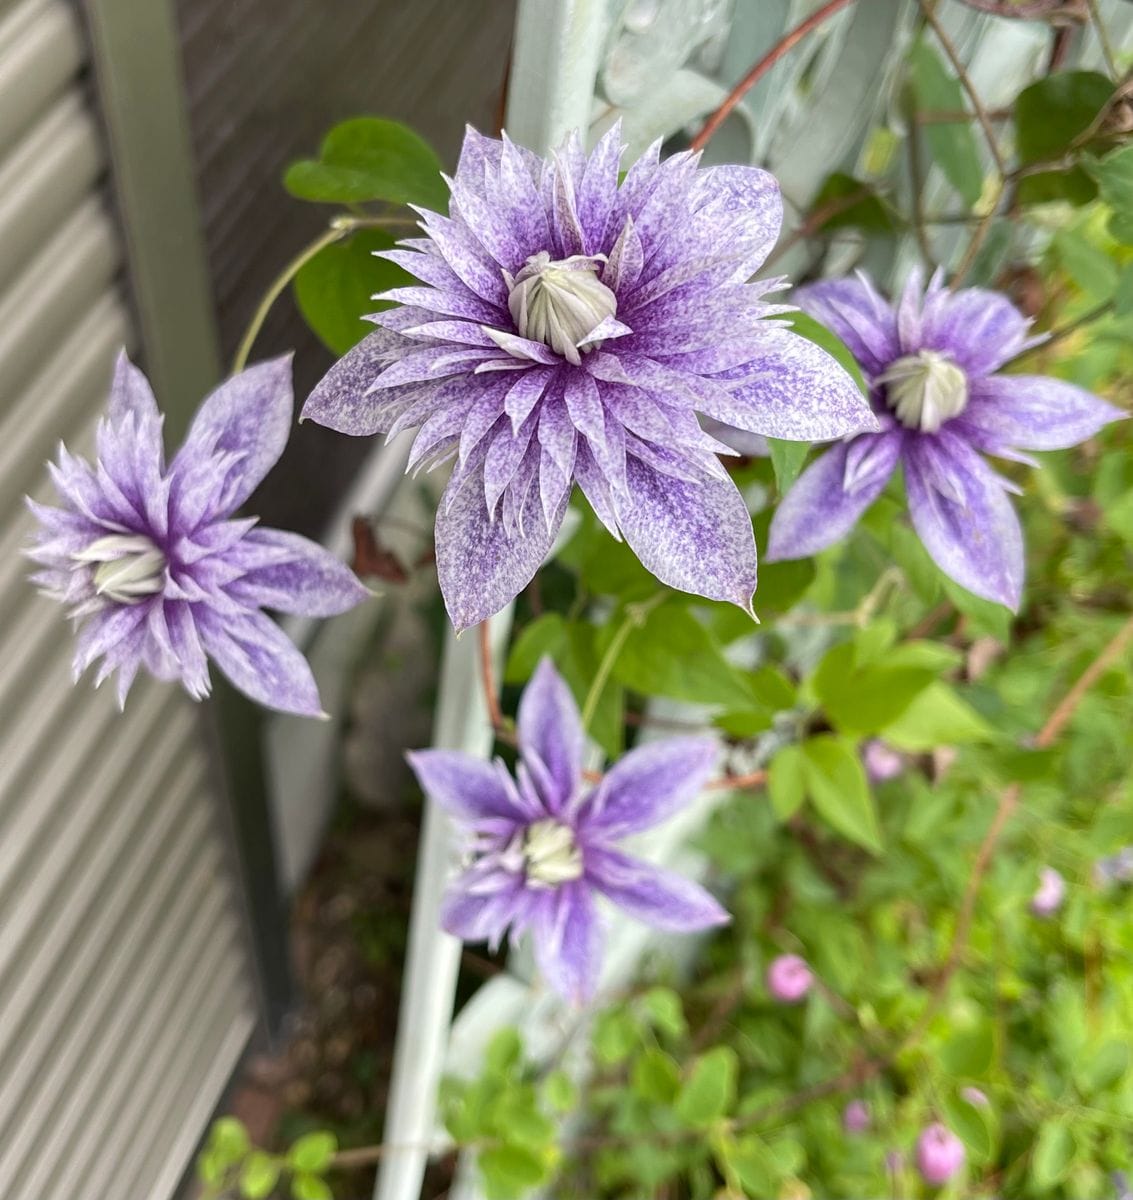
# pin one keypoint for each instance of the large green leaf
(937, 717)
(334, 289)
(953, 143)
(853, 204)
(838, 787)
(370, 158)
(1053, 1154)
(786, 782)
(1052, 113)
(710, 1091)
(1114, 174)
(865, 699)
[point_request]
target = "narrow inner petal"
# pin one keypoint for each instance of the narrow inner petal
(550, 854)
(924, 390)
(561, 303)
(125, 568)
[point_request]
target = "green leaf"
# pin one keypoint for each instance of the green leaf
(509, 1171)
(310, 1187)
(752, 1164)
(672, 654)
(852, 204)
(1091, 269)
(312, 1153)
(710, 1090)
(953, 143)
(1052, 113)
(836, 782)
(865, 699)
(505, 1051)
(969, 1052)
(814, 331)
(787, 459)
(334, 289)
(212, 1170)
(984, 616)
(545, 635)
(616, 1034)
(786, 782)
(1106, 1066)
(1053, 1154)
(655, 1076)
(259, 1175)
(1074, 186)
(606, 567)
(228, 1141)
(975, 1124)
(665, 1011)
(560, 1092)
(370, 158)
(1123, 293)
(1114, 175)
(937, 717)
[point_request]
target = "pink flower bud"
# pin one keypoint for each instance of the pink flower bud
(940, 1154)
(1047, 900)
(974, 1097)
(881, 762)
(789, 978)
(855, 1117)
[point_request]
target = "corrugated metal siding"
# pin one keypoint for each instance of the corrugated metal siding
(265, 80)
(125, 982)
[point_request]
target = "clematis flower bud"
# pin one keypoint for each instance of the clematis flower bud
(789, 978)
(855, 1117)
(940, 1154)
(1051, 892)
(881, 761)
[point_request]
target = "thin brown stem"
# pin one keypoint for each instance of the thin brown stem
(488, 680)
(782, 47)
(816, 220)
(1025, 10)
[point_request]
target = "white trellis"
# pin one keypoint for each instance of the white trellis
(659, 66)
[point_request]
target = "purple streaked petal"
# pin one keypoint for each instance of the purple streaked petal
(103, 631)
(524, 394)
(793, 389)
(1032, 412)
(819, 510)
(307, 579)
(249, 415)
(647, 786)
(975, 539)
(130, 394)
(549, 728)
(854, 310)
(652, 895)
(482, 916)
(980, 329)
(752, 198)
(481, 566)
(469, 788)
(257, 658)
(694, 537)
(567, 937)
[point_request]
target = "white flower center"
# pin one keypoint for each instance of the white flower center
(925, 389)
(560, 303)
(127, 567)
(550, 855)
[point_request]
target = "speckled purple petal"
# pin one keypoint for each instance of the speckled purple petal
(130, 394)
(980, 329)
(818, 510)
(468, 788)
(549, 728)
(1032, 412)
(305, 579)
(976, 538)
(853, 309)
(567, 939)
(657, 897)
(647, 786)
(694, 537)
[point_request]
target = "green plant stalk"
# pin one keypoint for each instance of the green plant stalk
(634, 618)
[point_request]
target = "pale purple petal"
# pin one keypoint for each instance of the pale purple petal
(474, 914)
(130, 394)
(305, 579)
(752, 199)
(1032, 412)
(567, 938)
(819, 510)
(655, 896)
(793, 389)
(853, 309)
(481, 566)
(468, 788)
(249, 415)
(694, 537)
(259, 660)
(973, 537)
(550, 728)
(980, 329)
(647, 786)
(342, 400)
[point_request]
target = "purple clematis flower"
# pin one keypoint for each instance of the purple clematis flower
(568, 330)
(931, 363)
(541, 846)
(151, 564)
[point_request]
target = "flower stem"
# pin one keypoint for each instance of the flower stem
(782, 47)
(340, 227)
(634, 619)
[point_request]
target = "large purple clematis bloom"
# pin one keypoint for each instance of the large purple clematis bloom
(568, 330)
(931, 363)
(541, 846)
(151, 564)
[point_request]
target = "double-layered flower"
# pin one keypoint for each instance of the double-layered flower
(932, 363)
(153, 566)
(540, 847)
(568, 329)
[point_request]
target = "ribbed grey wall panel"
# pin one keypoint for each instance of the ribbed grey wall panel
(265, 80)
(126, 988)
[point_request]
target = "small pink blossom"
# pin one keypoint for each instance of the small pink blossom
(1050, 894)
(855, 1117)
(789, 978)
(881, 761)
(940, 1154)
